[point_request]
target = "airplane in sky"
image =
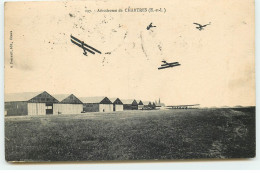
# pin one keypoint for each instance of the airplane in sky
(201, 27)
(168, 65)
(150, 26)
(86, 48)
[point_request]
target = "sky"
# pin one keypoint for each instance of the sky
(217, 63)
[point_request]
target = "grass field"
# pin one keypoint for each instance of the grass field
(131, 135)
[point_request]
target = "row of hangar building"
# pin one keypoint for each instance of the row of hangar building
(43, 103)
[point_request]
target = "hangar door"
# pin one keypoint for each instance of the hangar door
(49, 108)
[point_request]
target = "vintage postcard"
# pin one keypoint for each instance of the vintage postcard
(128, 80)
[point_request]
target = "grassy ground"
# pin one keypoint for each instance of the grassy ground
(142, 135)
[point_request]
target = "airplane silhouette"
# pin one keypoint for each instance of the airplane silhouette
(201, 27)
(150, 26)
(86, 48)
(168, 65)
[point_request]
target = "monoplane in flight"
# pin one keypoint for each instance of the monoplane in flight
(168, 65)
(201, 27)
(150, 26)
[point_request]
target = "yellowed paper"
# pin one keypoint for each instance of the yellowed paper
(209, 42)
(217, 64)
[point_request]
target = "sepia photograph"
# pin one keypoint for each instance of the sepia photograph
(111, 80)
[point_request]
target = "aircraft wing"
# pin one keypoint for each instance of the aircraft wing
(72, 37)
(79, 41)
(197, 24)
(78, 44)
(168, 66)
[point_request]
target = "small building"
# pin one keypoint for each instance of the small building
(96, 104)
(159, 105)
(153, 106)
(130, 104)
(150, 105)
(117, 104)
(68, 104)
(140, 105)
(194, 106)
(147, 105)
(29, 103)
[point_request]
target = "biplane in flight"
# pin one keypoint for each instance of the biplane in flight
(168, 65)
(201, 27)
(86, 48)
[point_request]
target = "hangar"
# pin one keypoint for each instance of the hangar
(130, 104)
(29, 103)
(117, 104)
(68, 104)
(140, 105)
(147, 105)
(96, 104)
